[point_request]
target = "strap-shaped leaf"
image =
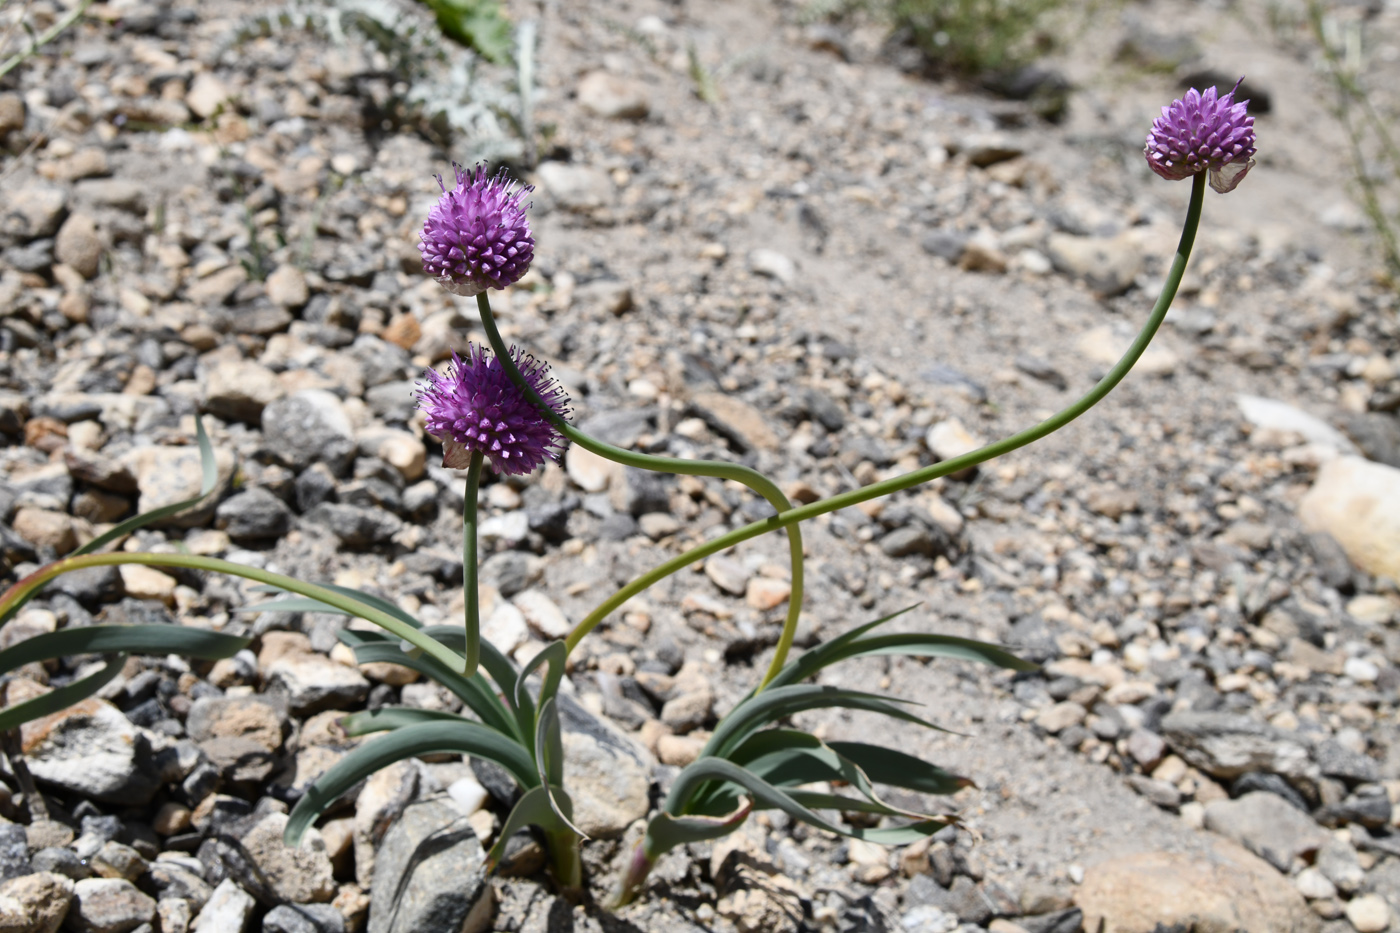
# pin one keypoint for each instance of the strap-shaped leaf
(815, 800)
(918, 644)
(209, 469)
(474, 691)
(539, 806)
(888, 766)
(388, 718)
(498, 666)
(418, 739)
(767, 796)
(12, 717)
(554, 654)
(777, 702)
(549, 759)
(132, 639)
(306, 604)
(665, 831)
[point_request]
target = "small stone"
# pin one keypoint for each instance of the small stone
(949, 439)
(1112, 501)
(141, 582)
(613, 97)
(286, 286)
(575, 187)
(78, 245)
(590, 472)
(1369, 913)
(171, 819)
(1357, 502)
(35, 903)
(253, 515)
(206, 95)
(239, 390)
(608, 773)
(115, 860)
(1268, 826)
(658, 525)
(738, 422)
(93, 750)
(108, 905)
(727, 574)
(298, 875)
(1105, 347)
(313, 682)
(542, 614)
(1108, 266)
(44, 528)
(11, 113)
(764, 593)
(216, 289)
(1314, 885)
(228, 910)
(430, 874)
(1057, 718)
(34, 211)
(774, 265)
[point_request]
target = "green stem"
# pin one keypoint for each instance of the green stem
(24, 588)
(469, 587)
(856, 496)
(565, 861)
(45, 37)
(754, 480)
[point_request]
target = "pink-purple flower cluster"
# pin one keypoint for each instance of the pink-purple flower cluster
(476, 236)
(1205, 132)
(475, 407)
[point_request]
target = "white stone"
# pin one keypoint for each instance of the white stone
(1357, 502)
(542, 614)
(1274, 415)
(1369, 913)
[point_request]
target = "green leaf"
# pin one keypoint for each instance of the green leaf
(209, 467)
(477, 24)
(777, 702)
(405, 742)
(132, 639)
(12, 717)
(306, 604)
(767, 796)
(546, 807)
(858, 643)
(888, 766)
(666, 831)
(549, 759)
(388, 718)
(474, 691)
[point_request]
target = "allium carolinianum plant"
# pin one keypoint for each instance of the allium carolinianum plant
(503, 408)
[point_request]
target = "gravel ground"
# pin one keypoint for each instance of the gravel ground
(833, 269)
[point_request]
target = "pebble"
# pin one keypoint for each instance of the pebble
(227, 911)
(1109, 266)
(542, 614)
(728, 574)
(108, 905)
(610, 96)
(1345, 488)
(575, 187)
(774, 265)
(1369, 913)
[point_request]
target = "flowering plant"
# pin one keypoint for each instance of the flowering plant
(496, 408)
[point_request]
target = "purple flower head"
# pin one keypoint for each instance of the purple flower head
(476, 236)
(1203, 133)
(474, 407)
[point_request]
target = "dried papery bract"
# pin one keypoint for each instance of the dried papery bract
(1203, 132)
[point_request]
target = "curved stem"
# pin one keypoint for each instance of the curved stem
(754, 480)
(469, 586)
(856, 496)
(24, 588)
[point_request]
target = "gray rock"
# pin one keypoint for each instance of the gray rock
(12, 112)
(908, 541)
(612, 96)
(575, 187)
(14, 850)
(430, 873)
(948, 244)
(393, 401)
(1268, 826)
(774, 265)
(253, 515)
(1371, 809)
(607, 774)
(297, 875)
(1161, 793)
(637, 492)
(108, 905)
(620, 427)
(1040, 368)
(313, 682)
(118, 193)
(1378, 436)
(356, 526)
(176, 880)
(1226, 745)
(1338, 863)
(239, 390)
(228, 910)
(1109, 266)
(90, 585)
(303, 918)
(310, 425)
(33, 211)
(508, 572)
(91, 749)
(79, 245)
(42, 899)
(1344, 764)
